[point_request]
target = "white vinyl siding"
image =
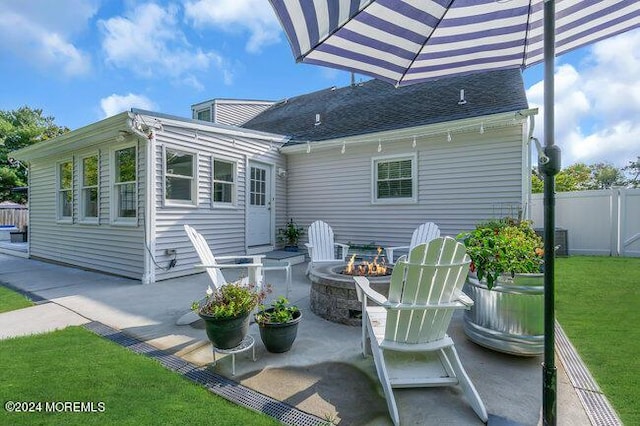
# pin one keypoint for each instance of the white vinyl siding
(223, 228)
(180, 178)
(90, 183)
(64, 210)
(113, 249)
(472, 178)
(224, 183)
(394, 179)
(124, 197)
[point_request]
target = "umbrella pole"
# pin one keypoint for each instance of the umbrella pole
(549, 169)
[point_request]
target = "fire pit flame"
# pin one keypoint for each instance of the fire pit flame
(366, 268)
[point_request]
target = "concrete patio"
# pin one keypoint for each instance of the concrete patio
(324, 374)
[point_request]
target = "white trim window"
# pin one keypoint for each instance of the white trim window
(204, 114)
(65, 191)
(180, 183)
(224, 182)
(394, 179)
(125, 177)
(89, 191)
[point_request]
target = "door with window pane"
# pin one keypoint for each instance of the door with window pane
(259, 205)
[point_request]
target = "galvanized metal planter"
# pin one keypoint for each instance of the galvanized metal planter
(508, 318)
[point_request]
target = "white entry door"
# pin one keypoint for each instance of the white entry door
(259, 211)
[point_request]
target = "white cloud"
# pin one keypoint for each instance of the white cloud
(597, 103)
(149, 41)
(115, 104)
(41, 33)
(255, 16)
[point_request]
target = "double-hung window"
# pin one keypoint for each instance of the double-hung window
(224, 182)
(180, 185)
(89, 190)
(395, 179)
(65, 191)
(124, 185)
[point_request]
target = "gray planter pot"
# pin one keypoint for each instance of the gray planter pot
(508, 318)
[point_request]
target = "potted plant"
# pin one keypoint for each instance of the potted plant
(507, 285)
(278, 324)
(290, 236)
(226, 310)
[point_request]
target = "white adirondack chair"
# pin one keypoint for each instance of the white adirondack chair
(407, 330)
(423, 234)
(321, 245)
(214, 269)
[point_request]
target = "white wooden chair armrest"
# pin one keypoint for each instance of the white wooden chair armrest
(228, 265)
(254, 258)
(402, 306)
(466, 300)
(362, 284)
(389, 251)
(344, 248)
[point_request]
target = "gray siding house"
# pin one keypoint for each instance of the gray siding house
(375, 161)
(113, 196)
(371, 160)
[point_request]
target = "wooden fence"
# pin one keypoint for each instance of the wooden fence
(17, 217)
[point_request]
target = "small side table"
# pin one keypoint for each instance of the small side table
(246, 344)
(279, 265)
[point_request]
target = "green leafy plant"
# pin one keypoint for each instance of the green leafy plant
(503, 246)
(290, 234)
(231, 300)
(280, 311)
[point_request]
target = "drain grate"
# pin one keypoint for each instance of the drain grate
(217, 384)
(595, 403)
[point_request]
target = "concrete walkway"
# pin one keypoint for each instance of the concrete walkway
(324, 374)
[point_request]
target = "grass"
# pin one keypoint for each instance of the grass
(75, 365)
(597, 302)
(10, 300)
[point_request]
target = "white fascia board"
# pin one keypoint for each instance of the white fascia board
(81, 138)
(455, 126)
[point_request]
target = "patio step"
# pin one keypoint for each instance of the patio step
(293, 257)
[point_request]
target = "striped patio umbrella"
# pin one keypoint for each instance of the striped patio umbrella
(411, 41)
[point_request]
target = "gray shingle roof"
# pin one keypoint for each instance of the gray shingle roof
(375, 106)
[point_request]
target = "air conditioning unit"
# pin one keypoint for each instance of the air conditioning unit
(561, 240)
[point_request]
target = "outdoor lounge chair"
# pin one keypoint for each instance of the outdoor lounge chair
(407, 330)
(213, 268)
(321, 245)
(423, 234)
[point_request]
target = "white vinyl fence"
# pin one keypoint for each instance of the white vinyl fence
(605, 222)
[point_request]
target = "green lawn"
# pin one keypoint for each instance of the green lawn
(75, 365)
(10, 300)
(597, 303)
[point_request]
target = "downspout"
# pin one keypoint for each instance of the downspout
(146, 133)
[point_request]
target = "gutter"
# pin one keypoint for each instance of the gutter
(449, 127)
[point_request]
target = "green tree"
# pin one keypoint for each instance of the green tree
(604, 176)
(20, 128)
(633, 171)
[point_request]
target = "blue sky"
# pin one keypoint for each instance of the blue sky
(83, 60)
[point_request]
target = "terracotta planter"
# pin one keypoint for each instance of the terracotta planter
(508, 318)
(226, 333)
(279, 337)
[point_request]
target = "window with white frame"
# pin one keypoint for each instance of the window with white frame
(65, 191)
(179, 171)
(224, 182)
(394, 179)
(124, 184)
(89, 189)
(204, 114)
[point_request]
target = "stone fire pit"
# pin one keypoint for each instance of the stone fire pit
(333, 294)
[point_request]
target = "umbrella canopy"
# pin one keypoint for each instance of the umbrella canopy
(410, 41)
(404, 41)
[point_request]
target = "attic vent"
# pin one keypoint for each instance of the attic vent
(462, 100)
(317, 123)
